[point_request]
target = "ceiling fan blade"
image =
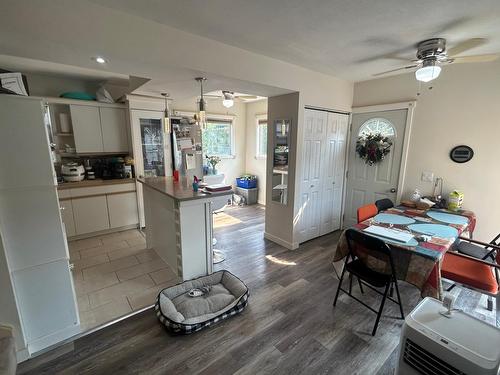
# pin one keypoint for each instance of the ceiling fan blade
(395, 70)
(466, 45)
(474, 59)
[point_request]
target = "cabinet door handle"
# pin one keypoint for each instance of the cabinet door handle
(62, 208)
(312, 186)
(393, 190)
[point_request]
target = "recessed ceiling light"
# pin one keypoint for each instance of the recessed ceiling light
(99, 60)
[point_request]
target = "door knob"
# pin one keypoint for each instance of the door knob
(393, 190)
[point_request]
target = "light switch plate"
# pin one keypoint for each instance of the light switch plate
(427, 176)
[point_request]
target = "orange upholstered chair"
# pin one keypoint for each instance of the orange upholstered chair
(366, 212)
(473, 273)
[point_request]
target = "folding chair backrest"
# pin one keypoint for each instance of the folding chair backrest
(373, 252)
(384, 204)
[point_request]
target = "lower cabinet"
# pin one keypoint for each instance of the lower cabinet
(122, 208)
(98, 210)
(91, 214)
(67, 217)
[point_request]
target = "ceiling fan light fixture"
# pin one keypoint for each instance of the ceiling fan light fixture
(429, 71)
(228, 100)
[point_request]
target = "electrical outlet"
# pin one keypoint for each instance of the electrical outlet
(427, 176)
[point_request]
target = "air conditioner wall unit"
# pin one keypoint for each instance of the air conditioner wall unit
(432, 343)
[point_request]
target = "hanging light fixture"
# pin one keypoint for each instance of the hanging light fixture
(228, 100)
(429, 71)
(166, 120)
(201, 116)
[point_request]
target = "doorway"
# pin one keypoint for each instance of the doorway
(369, 183)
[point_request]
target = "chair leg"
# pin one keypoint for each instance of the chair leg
(399, 299)
(391, 291)
(360, 285)
(490, 303)
(381, 308)
(350, 283)
(340, 285)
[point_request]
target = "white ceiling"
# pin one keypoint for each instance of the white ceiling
(336, 37)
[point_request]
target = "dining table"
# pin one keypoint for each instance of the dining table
(418, 261)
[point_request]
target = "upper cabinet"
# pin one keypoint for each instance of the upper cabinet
(86, 128)
(114, 129)
(99, 129)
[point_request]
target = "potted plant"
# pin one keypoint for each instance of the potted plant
(213, 161)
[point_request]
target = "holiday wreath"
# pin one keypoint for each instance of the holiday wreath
(373, 147)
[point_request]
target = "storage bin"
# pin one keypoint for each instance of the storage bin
(250, 195)
(246, 184)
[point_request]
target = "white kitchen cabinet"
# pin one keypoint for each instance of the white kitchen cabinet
(91, 214)
(47, 305)
(67, 217)
(114, 129)
(86, 128)
(122, 209)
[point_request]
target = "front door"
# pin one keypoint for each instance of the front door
(367, 184)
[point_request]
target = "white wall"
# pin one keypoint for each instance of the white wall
(231, 167)
(254, 165)
(463, 107)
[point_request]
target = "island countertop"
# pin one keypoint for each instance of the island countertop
(177, 190)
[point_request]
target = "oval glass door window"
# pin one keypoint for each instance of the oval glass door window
(377, 125)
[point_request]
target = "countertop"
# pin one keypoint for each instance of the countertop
(90, 183)
(177, 190)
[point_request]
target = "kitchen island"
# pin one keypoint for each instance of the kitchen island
(179, 224)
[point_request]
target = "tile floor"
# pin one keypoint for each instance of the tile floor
(115, 274)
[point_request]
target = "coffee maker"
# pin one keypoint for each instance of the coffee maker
(118, 168)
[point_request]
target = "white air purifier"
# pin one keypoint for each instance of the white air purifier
(433, 343)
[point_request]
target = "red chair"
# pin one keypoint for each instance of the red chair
(472, 273)
(366, 212)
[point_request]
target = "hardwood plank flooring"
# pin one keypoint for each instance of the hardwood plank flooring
(289, 326)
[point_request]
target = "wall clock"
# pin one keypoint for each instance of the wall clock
(461, 154)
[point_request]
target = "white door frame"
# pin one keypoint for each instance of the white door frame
(409, 106)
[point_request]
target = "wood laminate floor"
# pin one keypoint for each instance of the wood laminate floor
(289, 326)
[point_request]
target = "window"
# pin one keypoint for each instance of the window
(261, 138)
(377, 125)
(217, 138)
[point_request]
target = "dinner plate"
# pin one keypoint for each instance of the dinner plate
(448, 218)
(393, 219)
(434, 230)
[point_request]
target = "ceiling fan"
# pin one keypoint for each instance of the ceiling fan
(228, 97)
(432, 54)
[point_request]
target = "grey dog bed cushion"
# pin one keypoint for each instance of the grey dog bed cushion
(226, 291)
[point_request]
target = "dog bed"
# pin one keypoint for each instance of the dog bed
(225, 296)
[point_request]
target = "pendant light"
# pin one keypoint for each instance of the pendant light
(201, 116)
(228, 100)
(166, 120)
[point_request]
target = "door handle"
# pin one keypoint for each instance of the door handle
(393, 190)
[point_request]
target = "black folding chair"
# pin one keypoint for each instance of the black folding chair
(384, 204)
(361, 248)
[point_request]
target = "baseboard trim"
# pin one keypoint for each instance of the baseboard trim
(102, 232)
(280, 241)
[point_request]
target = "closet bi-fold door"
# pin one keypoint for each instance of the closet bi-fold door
(332, 171)
(311, 173)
